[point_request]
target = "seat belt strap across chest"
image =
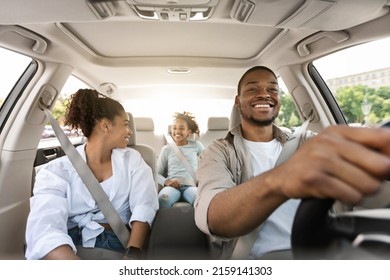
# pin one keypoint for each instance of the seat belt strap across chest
(245, 243)
(90, 182)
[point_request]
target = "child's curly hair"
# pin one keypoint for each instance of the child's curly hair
(87, 107)
(189, 119)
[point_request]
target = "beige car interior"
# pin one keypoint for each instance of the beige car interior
(162, 49)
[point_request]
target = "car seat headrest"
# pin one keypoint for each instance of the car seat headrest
(132, 126)
(218, 123)
(144, 124)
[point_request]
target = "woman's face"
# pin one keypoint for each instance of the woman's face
(120, 131)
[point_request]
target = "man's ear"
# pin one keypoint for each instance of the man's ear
(237, 101)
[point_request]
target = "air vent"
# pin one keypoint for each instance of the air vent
(108, 88)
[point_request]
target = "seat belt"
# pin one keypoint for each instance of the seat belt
(245, 243)
(182, 158)
(90, 182)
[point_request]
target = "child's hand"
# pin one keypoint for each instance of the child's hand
(172, 183)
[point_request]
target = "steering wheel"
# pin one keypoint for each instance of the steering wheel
(319, 234)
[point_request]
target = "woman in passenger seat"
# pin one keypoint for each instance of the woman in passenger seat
(178, 183)
(63, 213)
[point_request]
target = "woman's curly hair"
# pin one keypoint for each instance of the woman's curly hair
(189, 119)
(86, 107)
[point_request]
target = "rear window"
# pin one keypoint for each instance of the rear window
(162, 110)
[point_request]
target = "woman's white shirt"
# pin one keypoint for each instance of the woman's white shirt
(61, 201)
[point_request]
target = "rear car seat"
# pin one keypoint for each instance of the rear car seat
(217, 127)
(146, 134)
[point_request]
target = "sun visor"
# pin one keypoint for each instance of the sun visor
(311, 14)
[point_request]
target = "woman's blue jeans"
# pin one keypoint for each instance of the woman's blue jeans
(169, 195)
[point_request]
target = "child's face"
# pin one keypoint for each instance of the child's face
(180, 130)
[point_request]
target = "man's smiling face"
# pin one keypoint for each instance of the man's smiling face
(258, 99)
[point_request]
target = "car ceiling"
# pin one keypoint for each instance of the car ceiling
(129, 46)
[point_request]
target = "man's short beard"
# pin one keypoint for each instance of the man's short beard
(258, 122)
(263, 122)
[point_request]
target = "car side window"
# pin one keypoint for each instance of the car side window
(359, 79)
(288, 117)
(12, 66)
(70, 87)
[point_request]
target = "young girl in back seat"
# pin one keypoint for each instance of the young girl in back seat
(177, 183)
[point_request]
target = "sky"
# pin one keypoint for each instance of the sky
(353, 61)
(16, 64)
